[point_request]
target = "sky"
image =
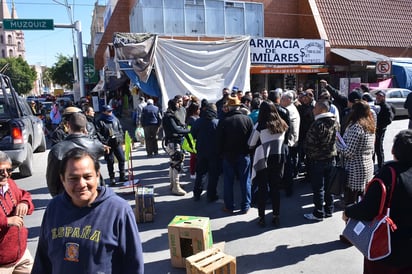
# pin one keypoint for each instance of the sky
(42, 46)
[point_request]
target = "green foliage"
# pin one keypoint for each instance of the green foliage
(62, 72)
(21, 74)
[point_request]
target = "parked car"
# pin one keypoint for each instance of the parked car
(396, 98)
(21, 131)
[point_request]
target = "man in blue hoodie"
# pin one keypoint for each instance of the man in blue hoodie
(87, 229)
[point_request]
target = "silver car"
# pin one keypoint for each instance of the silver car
(396, 98)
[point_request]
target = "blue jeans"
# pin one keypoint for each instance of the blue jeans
(319, 178)
(116, 151)
(238, 168)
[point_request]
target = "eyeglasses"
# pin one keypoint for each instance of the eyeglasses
(4, 170)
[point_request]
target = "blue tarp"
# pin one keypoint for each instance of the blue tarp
(150, 88)
(402, 70)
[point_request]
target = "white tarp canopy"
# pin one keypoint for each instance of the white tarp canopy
(200, 68)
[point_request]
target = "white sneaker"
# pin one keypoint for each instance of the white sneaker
(312, 217)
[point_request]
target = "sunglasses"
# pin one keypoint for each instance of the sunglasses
(3, 172)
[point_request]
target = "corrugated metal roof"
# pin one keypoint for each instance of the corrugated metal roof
(359, 55)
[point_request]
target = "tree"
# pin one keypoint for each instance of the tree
(21, 74)
(62, 72)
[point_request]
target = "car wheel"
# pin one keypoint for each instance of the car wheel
(43, 146)
(26, 168)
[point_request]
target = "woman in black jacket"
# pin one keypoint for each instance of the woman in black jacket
(400, 259)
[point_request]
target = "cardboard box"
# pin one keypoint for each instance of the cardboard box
(188, 235)
(212, 260)
(144, 209)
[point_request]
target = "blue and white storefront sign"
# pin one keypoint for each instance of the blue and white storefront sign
(274, 51)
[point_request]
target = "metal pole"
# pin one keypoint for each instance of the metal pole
(78, 28)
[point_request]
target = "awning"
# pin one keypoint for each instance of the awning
(151, 87)
(298, 69)
(360, 55)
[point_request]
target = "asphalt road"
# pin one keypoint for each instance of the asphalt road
(298, 246)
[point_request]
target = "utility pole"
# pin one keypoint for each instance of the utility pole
(78, 27)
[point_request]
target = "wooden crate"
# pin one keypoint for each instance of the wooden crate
(211, 261)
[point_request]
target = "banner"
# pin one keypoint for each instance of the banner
(286, 51)
(127, 146)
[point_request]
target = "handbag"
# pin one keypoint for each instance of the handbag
(337, 179)
(373, 238)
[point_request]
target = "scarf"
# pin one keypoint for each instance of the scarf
(108, 118)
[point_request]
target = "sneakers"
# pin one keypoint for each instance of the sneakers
(112, 181)
(312, 217)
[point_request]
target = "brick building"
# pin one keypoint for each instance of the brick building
(356, 34)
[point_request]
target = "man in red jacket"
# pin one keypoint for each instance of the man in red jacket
(15, 203)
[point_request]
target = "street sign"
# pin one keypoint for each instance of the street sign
(28, 24)
(383, 67)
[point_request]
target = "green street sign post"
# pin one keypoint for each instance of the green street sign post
(28, 24)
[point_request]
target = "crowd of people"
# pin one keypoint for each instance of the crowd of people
(264, 141)
(86, 226)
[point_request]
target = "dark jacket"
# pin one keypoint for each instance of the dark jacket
(408, 104)
(385, 116)
(150, 116)
(109, 130)
(233, 132)
(340, 100)
(400, 211)
(306, 119)
(91, 128)
(320, 138)
(58, 135)
(204, 132)
(57, 153)
(219, 106)
(174, 130)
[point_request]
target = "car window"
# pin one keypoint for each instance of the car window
(405, 93)
(25, 108)
(395, 94)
